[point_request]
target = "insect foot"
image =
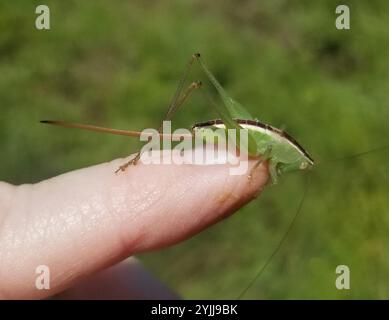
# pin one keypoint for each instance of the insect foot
(133, 161)
(197, 84)
(121, 168)
(255, 166)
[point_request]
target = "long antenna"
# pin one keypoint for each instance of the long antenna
(356, 155)
(260, 271)
(119, 132)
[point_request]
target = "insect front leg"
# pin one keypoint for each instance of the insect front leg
(265, 157)
(273, 171)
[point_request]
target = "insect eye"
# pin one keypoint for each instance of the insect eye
(303, 165)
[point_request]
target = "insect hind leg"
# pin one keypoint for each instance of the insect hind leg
(179, 102)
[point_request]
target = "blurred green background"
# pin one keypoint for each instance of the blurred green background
(117, 64)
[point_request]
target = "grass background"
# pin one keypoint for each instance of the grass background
(117, 64)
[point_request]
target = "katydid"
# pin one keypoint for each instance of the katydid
(265, 142)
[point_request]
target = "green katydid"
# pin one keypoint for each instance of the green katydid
(265, 142)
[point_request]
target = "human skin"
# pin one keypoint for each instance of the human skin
(82, 224)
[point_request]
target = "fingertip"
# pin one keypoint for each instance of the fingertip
(86, 220)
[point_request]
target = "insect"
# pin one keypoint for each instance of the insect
(265, 143)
